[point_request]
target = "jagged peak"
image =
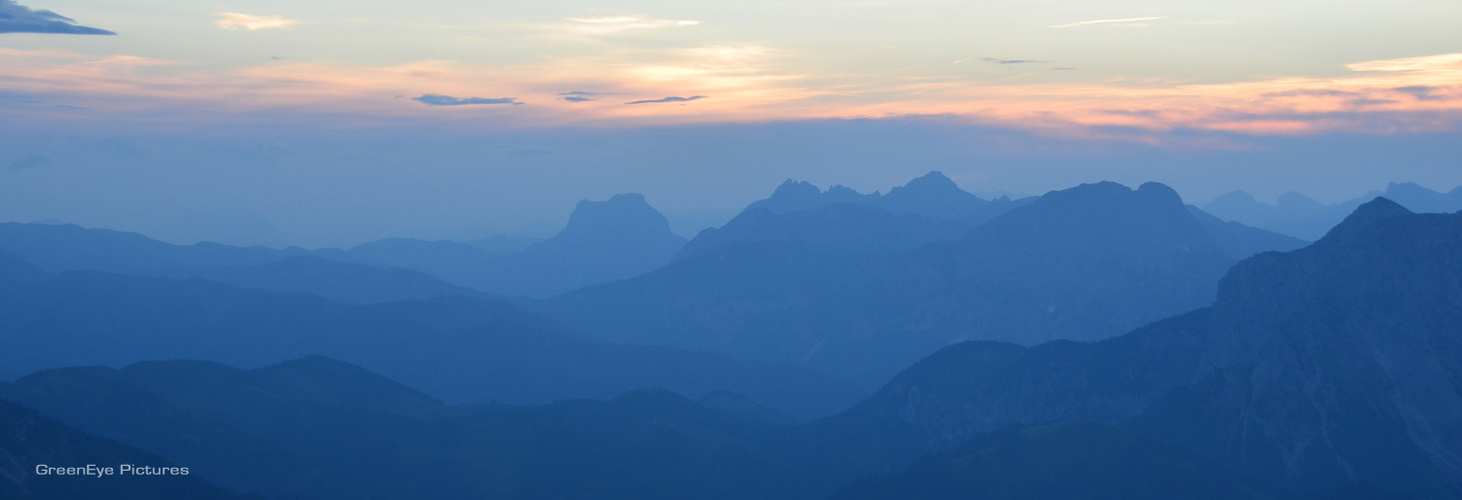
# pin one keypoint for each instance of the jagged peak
(796, 188)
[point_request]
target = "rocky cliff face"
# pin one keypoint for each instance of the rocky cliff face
(1333, 366)
(1337, 363)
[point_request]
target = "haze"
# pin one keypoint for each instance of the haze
(334, 123)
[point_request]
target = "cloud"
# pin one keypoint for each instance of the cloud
(16, 18)
(993, 60)
(1312, 93)
(237, 21)
(620, 24)
(1371, 102)
(1421, 92)
(1447, 63)
(32, 162)
(1129, 20)
(581, 96)
(446, 100)
(668, 99)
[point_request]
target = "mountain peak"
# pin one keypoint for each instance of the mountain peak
(1160, 193)
(1104, 190)
(626, 199)
(1365, 215)
(1239, 196)
(621, 213)
(932, 183)
(796, 189)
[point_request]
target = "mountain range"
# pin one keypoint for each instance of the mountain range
(1297, 215)
(457, 348)
(604, 241)
(1094, 342)
(1323, 372)
(805, 287)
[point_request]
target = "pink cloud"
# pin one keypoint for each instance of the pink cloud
(1376, 96)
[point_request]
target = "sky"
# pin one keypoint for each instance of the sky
(330, 123)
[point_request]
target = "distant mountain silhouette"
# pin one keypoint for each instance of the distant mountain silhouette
(932, 195)
(1323, 372)
(503, 244)
(341, 281)
(1297, 215)
(459, 348)
(603, 241)
(844, 227)
(68, 247)
(1327, 369)
(328, 273)
(450, 261)
(29, 439)
(1085, 263)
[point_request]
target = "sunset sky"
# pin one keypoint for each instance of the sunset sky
(331, 122)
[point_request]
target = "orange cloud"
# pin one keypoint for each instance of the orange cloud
(743, 83)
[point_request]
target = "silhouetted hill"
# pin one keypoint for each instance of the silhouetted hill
(460, 349)
(68, 247)
(316, 428)
(1062, 461)
(1085, 263)
(59, 248)
(1238, 240)
(503, 244)
(450, 261)
(341, 281)
(1327, 368)
(604, 241)
(29, 439)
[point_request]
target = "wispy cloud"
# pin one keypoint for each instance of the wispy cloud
(620, 24)
(237, 21)
(1437, 63)
(1130, 20)
(16, 18)
(993, 60)
(446, 100)
(668, 99)
(1392, 96)
(1421, 92)
(580, 96)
